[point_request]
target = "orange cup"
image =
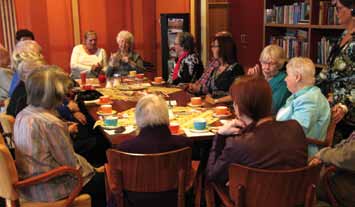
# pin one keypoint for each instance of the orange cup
(107, 108)
(174, 127)
(140, 75)
(221, 110)
(196, 101)
(105, 99)
(132, 73)
(158, 79)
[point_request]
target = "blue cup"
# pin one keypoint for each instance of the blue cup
(200, 124)
(110, 121)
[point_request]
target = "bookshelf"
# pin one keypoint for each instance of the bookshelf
(302, 27)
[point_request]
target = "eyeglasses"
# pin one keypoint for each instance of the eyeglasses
(268, 63)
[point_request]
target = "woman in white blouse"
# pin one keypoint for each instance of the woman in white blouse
(87, 57)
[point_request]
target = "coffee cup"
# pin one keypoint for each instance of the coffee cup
(104, 99)
(102, 78)
(200, 123)
(196, 101)
(174, 127)
(83, 78)
(106, 108)
(158, 79)
(110, 120)
(221, 110)
(132, 73)
(140, 76)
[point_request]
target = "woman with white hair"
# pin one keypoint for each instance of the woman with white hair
(307, 104)
(26, 58)
(88, 58)
(43, 142)
(125, 59)
(152, 120)
(5, 73)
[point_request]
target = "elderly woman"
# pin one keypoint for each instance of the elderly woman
(88, 58)
(250, 138)
(272, 60)
(188, 67)
(307, 105)
(338, 78)
(222, 76)
(43, 143)
(125, 59)
(27, 57)
(5, 73)
(154, 137)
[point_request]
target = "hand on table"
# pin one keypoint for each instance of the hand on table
(231, 128)
(210, 100)
(73, 106)
(73, 128)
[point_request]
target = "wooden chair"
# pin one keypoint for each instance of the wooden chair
(7, 126)
(9, 184)
(250, 187)
(328, 142)
(150, 173)
(326, 183)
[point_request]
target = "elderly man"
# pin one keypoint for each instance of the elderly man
(5, 73)
(307, 105)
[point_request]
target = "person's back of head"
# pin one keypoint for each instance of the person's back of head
(186, 40)
(151, 110)
(253, 97)
(24, 34)
(28, 50)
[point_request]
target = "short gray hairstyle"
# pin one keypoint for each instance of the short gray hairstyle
(126, 36)
(26, 67)
(273, 53)
(304, 67)
(27, 50)
(151, 110)
(46, 88)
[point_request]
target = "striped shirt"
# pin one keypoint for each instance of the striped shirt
(42, 144)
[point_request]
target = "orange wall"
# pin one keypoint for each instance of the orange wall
(247, 18)
(51, 22)
(167, 6)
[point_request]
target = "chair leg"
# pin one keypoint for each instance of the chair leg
(209, 195)
(198, 189)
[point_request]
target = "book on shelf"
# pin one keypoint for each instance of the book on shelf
(327, 14)
(288, 14)
(294, 42)
(324, 46)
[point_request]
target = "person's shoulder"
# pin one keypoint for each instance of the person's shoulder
(181, 140)
(126, 146)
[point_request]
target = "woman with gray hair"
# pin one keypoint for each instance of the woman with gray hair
(307, 104)
(43, 142)
(27, 58)
(152, 120)
(125, 59)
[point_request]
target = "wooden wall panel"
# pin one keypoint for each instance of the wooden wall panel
(1, 34)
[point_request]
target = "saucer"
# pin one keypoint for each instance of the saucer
(111, 127)
(157, 84)
(193, 105)
(105, 114)
(222, 115)
(199, 130)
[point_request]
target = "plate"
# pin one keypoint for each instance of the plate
(132, 87)
(192, 105)
(105, 114)
(110, 127)
(157, 84)
(222, 115)
(199, 130)
(140, 79)
(99, 103)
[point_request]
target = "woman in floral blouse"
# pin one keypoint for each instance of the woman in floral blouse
(337, 81)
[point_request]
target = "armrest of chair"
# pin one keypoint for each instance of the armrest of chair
(114, 186)
(52, 174)
(317, 142)
(326, 180)
(223, 195)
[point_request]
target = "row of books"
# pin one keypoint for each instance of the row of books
(324, 46)
(296, 13)
(327, 14)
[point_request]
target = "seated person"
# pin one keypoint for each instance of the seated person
(225, 51)
(125, 59)
(27, 57)
(43, 143)
(5, 73)
(88, 58)
(154, 137)
(253, 138)
(272, 60)
(21, 35)
(188, 67)
(307, 104)
(342, 182)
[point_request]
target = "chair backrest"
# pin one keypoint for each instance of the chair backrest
(257, 187)
(8, 173)
(150, 172)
